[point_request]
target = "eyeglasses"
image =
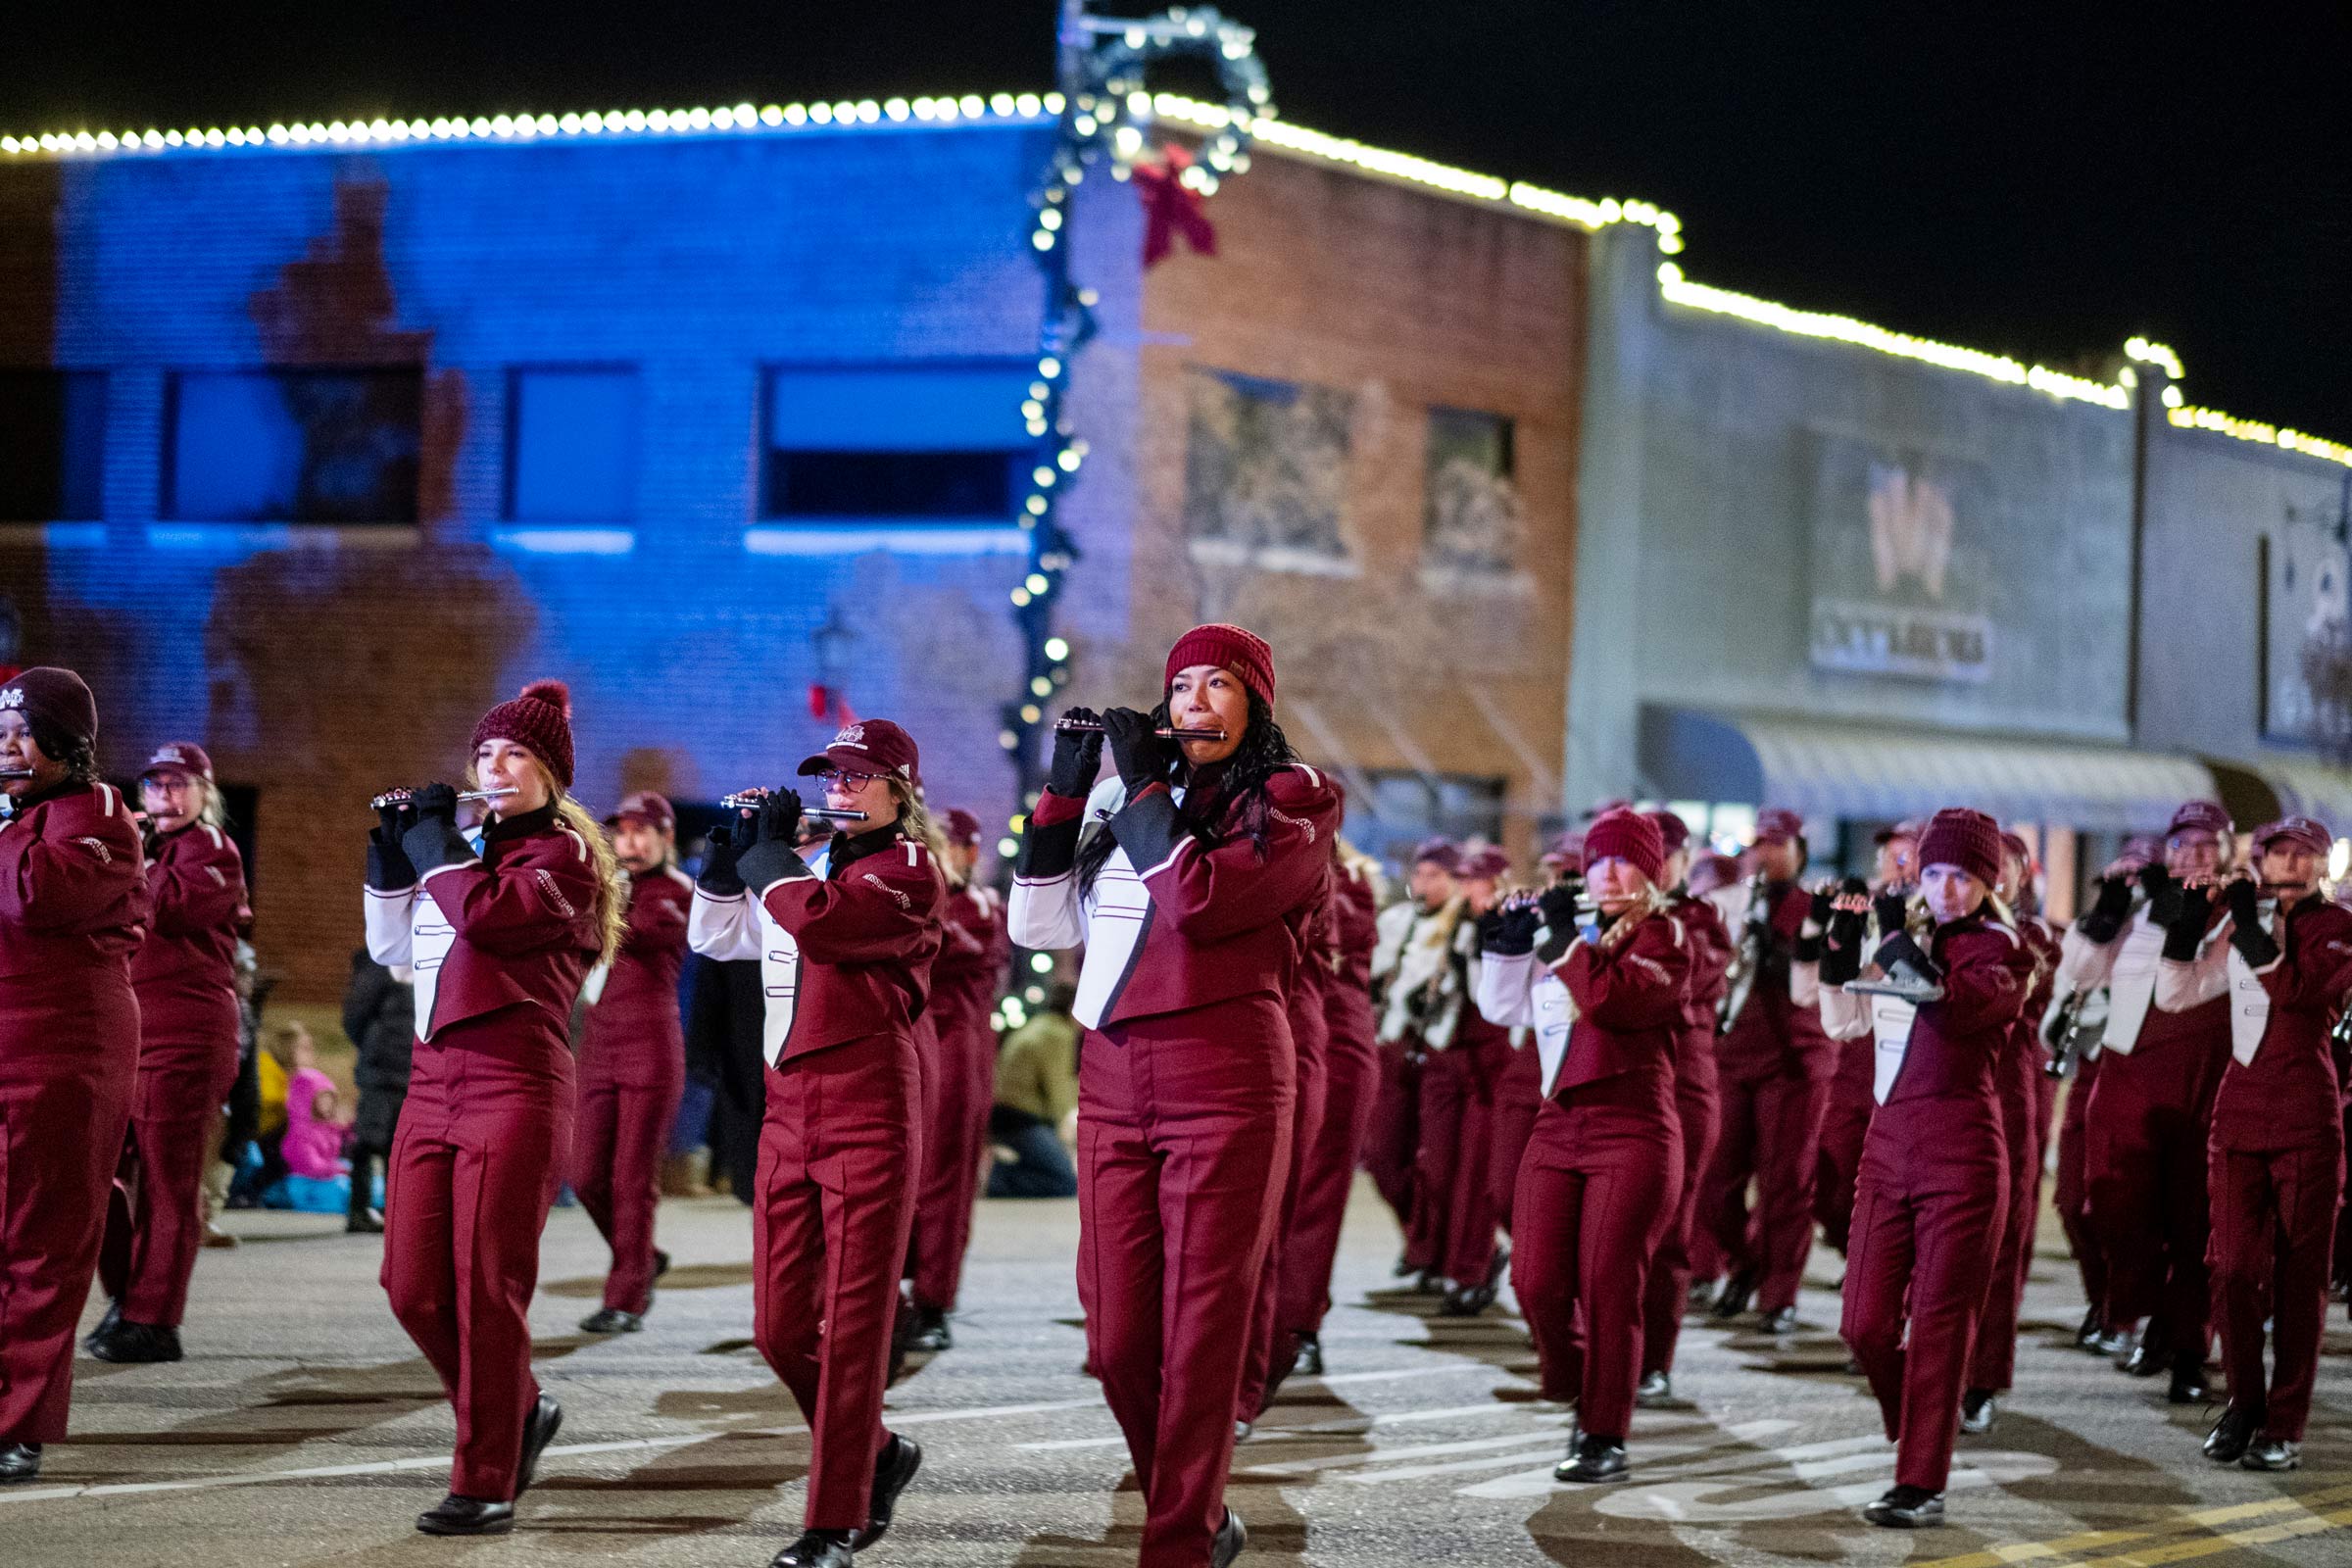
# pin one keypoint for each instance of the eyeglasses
(840, 778)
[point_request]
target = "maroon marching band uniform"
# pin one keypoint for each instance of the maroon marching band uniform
(974, 951)
(1844, 1125)
(1187, 1087)
(72, 909)
(185, 977)
(2024, 1091)
(846, 951)
(1695, 1090)
(632, 1073)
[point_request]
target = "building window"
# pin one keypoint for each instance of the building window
(904, 443)
(51, 445)
(1471, 522)
(1401, 809)
(571, 445)
(332, 446)
(1265, 469)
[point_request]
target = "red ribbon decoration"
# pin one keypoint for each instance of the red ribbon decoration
(1171, 207)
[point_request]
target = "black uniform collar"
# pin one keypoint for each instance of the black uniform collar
(848, 849)
(521, 825)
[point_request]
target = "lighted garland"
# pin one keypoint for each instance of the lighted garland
(1108, 113)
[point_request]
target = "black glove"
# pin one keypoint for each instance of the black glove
(772, 855)
(1818, 910)
(2104, 920)
(779, 817)
(1556, 904)
(1894, 910)
(2164, 894)
(1509, 929)
(719, 878)
(1807, 949)
(432, 840)
(1901, 949)
(435, 800)
(1140, 755)
(2193, 907)
(1842, 950)
(1077, 757)
(388, 869)
(2255, 945)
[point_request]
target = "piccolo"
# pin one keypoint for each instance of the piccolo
(405, 797)
(1085, 726)
(7, 773)
(752, 800)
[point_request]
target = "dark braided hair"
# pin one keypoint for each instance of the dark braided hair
(77, 753)
(1240, 801)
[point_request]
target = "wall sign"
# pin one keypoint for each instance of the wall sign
(1900, 577)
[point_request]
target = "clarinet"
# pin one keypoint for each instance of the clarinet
(1755, 931)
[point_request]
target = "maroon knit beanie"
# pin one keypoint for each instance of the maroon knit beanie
(1623, 835)
(55, 699)
(1672, 831)
(539, 721)
(1245, 653)
(1969, 840)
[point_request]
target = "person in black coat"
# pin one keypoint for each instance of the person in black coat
(726, 1011)
(380, 1015)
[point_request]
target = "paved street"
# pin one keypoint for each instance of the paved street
(302, 1430)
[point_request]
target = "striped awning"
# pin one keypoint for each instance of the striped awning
(2305, 787)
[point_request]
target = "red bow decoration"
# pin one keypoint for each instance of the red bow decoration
(1171, 207)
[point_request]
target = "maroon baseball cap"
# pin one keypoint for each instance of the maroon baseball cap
(1443, 852)
(962, 827)
(869, 745)
(1907, 828)
(2016, 844)
(644, 806)
(1672, 831)
(1487, 865)
(185, 757)
(2301, 831)
(1567, 851)
(2199, 816)
(1779, 824)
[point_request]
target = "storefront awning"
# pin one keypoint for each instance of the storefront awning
(2303, 787)
(1828, 772)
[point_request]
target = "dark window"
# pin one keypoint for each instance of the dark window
(1401, 808)
(1472, 518)
(571, 445)
(334, 446)
(931, 443)
(51, 445)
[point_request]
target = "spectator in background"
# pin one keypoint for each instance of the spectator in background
(1035, 1116)
(380, 1015)
(317, 1178)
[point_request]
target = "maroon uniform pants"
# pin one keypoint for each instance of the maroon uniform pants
(1454, 1221)
(2148, 1121)
(2274, 1220)
(1271, 1342)
(1845, 1123)
(155, 1225)
(622, 1135)
(1184, 1134)
(840, 1149)
(1669, 1282)
(1927, 1206)
(1394, 1137)
(484, 1138)
(1350, 1083)
(959, 1095)
(1518, 1099)
(62, 1120)
(2071, 1189)
(1769, 1127)
(1598, 1187)
(2018, 1078)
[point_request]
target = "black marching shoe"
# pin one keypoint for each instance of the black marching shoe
(2111, 1341)
(1655, 1388)
(19, 1462)
(1592, 1460)
(1733, 1299)
(660, 1262)
(125, 1341)
(539, 1429)
(1404, 1270)
(1781, 1320)
(1907, 1508)
(927, 1331)
(365, 1222)
(2230, 1436)
(467, 1516)
(1228, 1541)
(611, 1320)
(2188, 1382)
(2267, 1453)
(1307, 1362)
(900, 1459)
(2146, 1357)
(816, 1549)
(106, 1326)
(1978, 1407)
(2092, 1333)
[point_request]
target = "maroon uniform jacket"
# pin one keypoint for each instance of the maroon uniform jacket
(72, 911)
(185, 971)
(1947, 1081)
(515, 928)
(844, 951)
(1620, 1011)
(1774, 1035)
(1708, 945)
(1355, 913)
(635, 1035)
(1176, 922)
(973, 952)
(2287, 1095)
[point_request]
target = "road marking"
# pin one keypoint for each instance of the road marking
(1265, 1435)
(1731, 1498)
(1539, 1482)
(2074, 1547)
(1420, 1450)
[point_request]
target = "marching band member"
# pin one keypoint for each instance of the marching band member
(2166, 1041)
(1189, 879)
(1458, 1085)
(1519, 1090)
(72, 909)
(1775, 1065)
(633, 1063)
(1417, 1000)
(2019, 1080)
(498, 940)
(2278, 1149)
(973, 952)
(1709, 948)
(1601, 1181)
(186, 978)
(1895, 875)
(1935, 1177)
(846, 954)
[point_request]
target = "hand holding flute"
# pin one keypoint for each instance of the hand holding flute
(752, 800)
(405, 798)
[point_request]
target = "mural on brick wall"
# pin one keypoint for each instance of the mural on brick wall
(1472, 523)
(1265, 469)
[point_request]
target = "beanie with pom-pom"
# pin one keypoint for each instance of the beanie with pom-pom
(540, 722)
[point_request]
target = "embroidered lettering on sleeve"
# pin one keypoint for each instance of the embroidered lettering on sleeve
(904, 902)
(554, 895)
(1649, 966)
(97, 847)
(1299, 823)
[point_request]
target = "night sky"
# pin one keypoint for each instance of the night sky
(2042, 180)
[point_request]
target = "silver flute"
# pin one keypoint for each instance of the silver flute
(405, 797)
(1087, 726)
(7, 773)
(752, 800)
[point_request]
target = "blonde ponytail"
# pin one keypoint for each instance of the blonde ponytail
(613, 902)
